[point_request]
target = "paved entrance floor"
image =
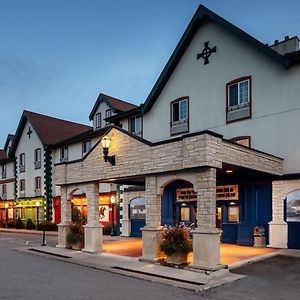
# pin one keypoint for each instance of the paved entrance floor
(230, 254)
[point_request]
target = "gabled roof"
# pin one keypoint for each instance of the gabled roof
(202, 14)
(115, 104)
(9, 138)
(49, 130)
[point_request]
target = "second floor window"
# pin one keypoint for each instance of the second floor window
(37, 158)
(136, 125)
(4, 190)
(108, 113)
(238, 99)
(37, 183)
(22, 186)
(4, 171)
(64, 153)
(86, 146)
(22, 162)
(179, 115)
(98, 120)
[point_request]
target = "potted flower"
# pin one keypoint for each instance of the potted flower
(176, 244)
(75, 236)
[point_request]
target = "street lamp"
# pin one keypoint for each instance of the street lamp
(105, 142)
(6, 212)
(37, 203)
(112, 202)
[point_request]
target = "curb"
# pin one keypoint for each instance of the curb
(37, 232)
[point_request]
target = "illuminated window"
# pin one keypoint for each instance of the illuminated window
(242, 140)
(184, 214)
(233, 213)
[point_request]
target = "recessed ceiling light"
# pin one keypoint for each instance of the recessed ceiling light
(229, 171)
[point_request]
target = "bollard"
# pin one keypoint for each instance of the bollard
(44, 238)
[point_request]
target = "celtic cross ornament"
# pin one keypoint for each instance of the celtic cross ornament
(206, 53)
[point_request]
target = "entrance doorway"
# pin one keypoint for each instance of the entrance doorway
(137, 216)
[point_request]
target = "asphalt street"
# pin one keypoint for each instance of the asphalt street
(30, 276)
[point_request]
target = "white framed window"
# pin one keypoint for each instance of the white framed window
(37, 158)
(37, 183)
(4, 171)
(179, 119)
(238, 94)
(136, 125)
(64, 153)
(22, 187)
(22, 162)
(108, 113)
(98, 120)
(86, 146)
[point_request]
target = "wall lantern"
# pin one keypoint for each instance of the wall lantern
(105, 142)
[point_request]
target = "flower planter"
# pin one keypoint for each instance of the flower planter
(177, 258)
(77, 246)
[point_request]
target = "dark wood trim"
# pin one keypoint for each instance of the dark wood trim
(242, 137)
(250, 97)
(188, 114)
(7, 181)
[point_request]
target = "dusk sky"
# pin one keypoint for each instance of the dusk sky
(56, 56)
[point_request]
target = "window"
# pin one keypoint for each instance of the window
(242, 140)
(37, 158)
(238, 99)
(180, 115)
(108, 113)
(37, 186)
(22, 187)
(4, 191)
(233, 213)
(64, 153)
(4, 171)
(98, 120)
(22, 162)
(136, 125)
(86, 146)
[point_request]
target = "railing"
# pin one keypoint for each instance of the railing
(37, 164)
(22, 168)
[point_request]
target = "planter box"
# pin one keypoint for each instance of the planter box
(177, 259)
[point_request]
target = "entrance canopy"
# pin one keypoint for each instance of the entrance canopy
(136, 157)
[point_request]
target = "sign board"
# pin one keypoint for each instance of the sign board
(186, 195)
(227, 192)
(104, 213)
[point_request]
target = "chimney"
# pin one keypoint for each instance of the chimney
(288, 45)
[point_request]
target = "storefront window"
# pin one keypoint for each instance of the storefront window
(233, 214)
(137, 208)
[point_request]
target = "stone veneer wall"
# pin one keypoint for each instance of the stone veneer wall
(133, 158)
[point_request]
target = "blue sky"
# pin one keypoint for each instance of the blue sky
(56, 56)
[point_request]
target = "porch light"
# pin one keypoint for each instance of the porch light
(229, 171)
(105, 142)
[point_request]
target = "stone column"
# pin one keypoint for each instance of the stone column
(278, 229)
(126, 223)
(206, 237)
(66, 218)
(93, 231)
(152, 232)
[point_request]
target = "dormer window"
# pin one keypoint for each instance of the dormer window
(238, 99)
(108, 113)
(180, 115)
(136, 125)
(98, 120)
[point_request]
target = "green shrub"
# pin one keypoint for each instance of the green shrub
(107, 229)
(19, 224)
(2, 224)
(75, 234)
(47, 226)
(11, 224)
(30, 225)
(176, 240)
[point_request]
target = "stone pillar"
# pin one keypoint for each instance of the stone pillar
(93, 231)
(278, 229)
(206, 237)
(126, 223)
(152, 232)
(66, 218)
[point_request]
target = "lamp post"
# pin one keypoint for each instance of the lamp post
(112, 202)
(37, 203)
(6, 214)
